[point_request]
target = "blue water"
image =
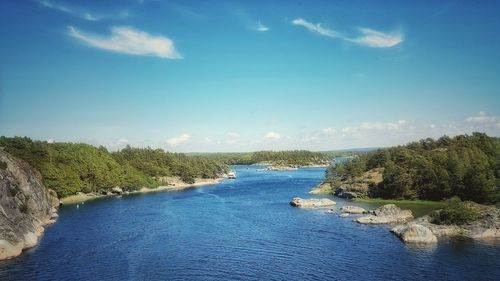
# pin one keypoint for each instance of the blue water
(241, 229)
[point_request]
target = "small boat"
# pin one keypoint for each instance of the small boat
(231, 175)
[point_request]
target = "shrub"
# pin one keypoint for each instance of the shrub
(187, 178)
(3, 165)
(455, 212)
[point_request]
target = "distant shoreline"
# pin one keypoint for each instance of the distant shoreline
(177, 186)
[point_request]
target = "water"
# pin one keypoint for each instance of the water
(241, 229)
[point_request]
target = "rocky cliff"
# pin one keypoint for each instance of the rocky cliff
(26, 206)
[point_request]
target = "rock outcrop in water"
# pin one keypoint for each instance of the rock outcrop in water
(26, 206)
(312, 203)
(353, 210)
(389, 213)
(486, 227)
(415, 233)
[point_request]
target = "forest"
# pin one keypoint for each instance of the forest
(466, 166)
(68, 168)
(285, 157)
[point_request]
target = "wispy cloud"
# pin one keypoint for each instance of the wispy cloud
(482, 118)
(328, 131)
(368, 37)
(272, 136)
(260, 27)
(377, 39)
(250, 21)
(131, 41)
(317, 28)
(178, 140)
(81, 13)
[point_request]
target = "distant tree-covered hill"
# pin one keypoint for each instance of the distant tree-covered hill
(467, 166)
(290, 157)
(159, 163)
(68, 168)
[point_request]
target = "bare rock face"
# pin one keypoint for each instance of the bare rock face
(26, 206)
(353, 210)
(389, 213)
(415, 233)
(312, 203)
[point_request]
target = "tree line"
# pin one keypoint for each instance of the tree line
(69, 168)
(467, 166)
(286, 157)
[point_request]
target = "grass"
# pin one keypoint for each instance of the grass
(418, 207)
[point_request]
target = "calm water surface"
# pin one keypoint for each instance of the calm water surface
(241, 229)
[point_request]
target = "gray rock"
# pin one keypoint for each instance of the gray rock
(348, 194)
(353, 210)
(26, 206)
(117, 190)
(414, 233)
(312, 203)
(389, 213)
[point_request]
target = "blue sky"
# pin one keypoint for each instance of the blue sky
(248, 75)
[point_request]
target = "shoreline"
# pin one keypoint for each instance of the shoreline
(177, 186)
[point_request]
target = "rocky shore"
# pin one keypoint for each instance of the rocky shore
(174, 184)
(26, 206)
(311, 203)
(412, 230)
(486, 227)
(389, 213)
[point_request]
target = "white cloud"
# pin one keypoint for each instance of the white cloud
(382, 126)
(377, 39)
(131, 41)
(328, 131)
(369, 37)
(483, 119)
(122, 141)
(316, 28)
(233, 135)
(81, 13)
(261, 27)
(178, 140)
(272, 136)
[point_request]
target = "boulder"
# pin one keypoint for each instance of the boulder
(389, 213)
(117, 190)
(414, 233)
(353, 210)
(312, 203)
(342, 192)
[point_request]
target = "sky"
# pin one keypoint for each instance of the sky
(211, 76)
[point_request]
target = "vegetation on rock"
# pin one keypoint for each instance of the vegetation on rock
(285, 158)
(455, 212)
(467, 166)
(69, 168)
